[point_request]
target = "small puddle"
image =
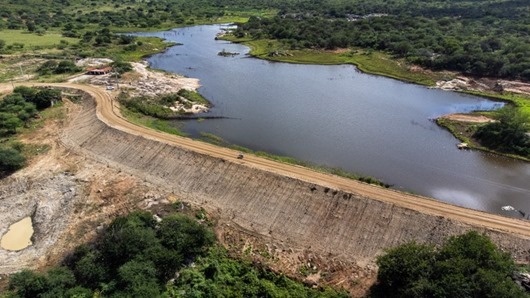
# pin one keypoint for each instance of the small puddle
(18, 236)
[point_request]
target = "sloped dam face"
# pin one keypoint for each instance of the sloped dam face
(280, 209)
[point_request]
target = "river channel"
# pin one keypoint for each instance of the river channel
(339, 117)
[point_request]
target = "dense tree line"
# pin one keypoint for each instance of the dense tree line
(139, 256)
(469, 265)
(483, 45)
(477, 37)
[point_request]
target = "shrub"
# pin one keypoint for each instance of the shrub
(469, 265)
(508, 134)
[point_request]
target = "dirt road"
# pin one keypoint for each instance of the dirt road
(107, 112)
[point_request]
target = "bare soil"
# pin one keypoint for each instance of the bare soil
(463, 83)
(468, 118)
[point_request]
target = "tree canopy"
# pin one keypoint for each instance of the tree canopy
(508, 134)
(469, 265)
(137, 256)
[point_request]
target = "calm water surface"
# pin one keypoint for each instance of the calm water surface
(339, 117)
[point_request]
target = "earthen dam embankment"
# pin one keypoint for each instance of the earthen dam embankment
(281, 209)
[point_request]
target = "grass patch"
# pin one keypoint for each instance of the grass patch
(211, 138)
(367, 61)
(151, 122)
(193, 96)
(148, 46)
(521, 102)
(32, 41)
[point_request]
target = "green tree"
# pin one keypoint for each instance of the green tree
(47, 67)
(128, 237)
(10, 160)
(469, 265)
(508, 134)
(59, 280)
(41, 97)
(28, 284)
(138, 279)
(66, 66)
(405, 270)
(184, 235)
(9, 123)
(88, 267)
(46, 97)
(121, 67)
(31, 26)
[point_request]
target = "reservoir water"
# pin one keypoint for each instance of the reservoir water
(339, 117)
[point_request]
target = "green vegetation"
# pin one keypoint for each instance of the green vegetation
(151, 122)
(521, 102)
(121, 67)
(148, 106)
(76, 28)
(469, 265)
(42, 98)
(193, 97)
(508, 134)
(138, 256)
(135, 256)
(53, 67)
(373, 62)
(483, 38)
(506, 137)
(17, 110)
(11, 160)
(216, 275)
(23, 41)
(160, 107)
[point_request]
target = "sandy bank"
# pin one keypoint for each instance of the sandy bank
(468, 118)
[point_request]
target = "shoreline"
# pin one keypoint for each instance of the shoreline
(515, 93)
(462, 127)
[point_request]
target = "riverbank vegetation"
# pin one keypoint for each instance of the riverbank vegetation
(145, 256)
(151, 122)
(478, 38)
(168, 106)
(368, 61)
(509, 135)
(469, 265)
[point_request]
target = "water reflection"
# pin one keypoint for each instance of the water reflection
(339, 117)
